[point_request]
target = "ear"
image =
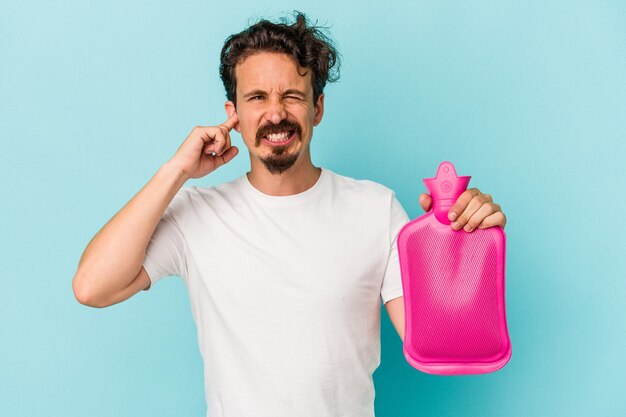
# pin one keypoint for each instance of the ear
(229, 106)
(319, 110)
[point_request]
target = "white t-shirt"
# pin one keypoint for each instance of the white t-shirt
(285, 291)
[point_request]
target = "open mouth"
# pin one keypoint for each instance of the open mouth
(279, 138)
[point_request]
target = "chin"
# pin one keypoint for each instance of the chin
(279, 163)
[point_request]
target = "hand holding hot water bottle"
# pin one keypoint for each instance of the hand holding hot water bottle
(453, 283)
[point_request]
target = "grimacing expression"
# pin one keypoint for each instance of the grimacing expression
(275, 109)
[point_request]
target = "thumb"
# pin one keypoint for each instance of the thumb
(425, 201)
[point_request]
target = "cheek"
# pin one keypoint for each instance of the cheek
(248, 124)
(302, 113)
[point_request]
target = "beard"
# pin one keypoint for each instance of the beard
(280, 160)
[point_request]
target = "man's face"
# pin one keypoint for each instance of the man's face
(275, 110)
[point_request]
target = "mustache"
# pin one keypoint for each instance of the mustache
(282, 126)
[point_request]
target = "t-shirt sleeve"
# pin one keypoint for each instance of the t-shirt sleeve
(165, 254)
(392, 281)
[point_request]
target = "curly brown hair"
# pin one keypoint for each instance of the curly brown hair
(306, 43)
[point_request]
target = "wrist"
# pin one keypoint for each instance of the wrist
(173, 171)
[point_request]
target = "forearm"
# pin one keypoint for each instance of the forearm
(115, 254)
(395, 310)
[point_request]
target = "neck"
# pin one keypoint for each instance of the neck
(299, 178)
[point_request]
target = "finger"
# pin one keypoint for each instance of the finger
(208, 133)
(217, 148)
(226, 157)
(461, 203)
(486, 210)
(231, 122)
(209, 148)
(474, 205)
(217, 139)
(222, 143)
(425, 201)
(496, 219)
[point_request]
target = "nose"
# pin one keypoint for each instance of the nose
(276, 111)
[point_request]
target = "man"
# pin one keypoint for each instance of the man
(286, 265)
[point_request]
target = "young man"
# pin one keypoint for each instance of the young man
(286, 265)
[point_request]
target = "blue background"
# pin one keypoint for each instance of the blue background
(527, 97)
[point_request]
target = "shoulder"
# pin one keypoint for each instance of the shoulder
(198, 198)
(369, 201)
(360, 187)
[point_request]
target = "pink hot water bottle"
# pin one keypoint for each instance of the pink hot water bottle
(453, 283)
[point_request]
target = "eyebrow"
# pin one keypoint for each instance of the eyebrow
(255, 93)
(291, 91)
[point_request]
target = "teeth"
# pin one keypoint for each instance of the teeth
(278, 137)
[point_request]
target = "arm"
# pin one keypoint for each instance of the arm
(110, 270)
(113, 258)
(395, 310)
